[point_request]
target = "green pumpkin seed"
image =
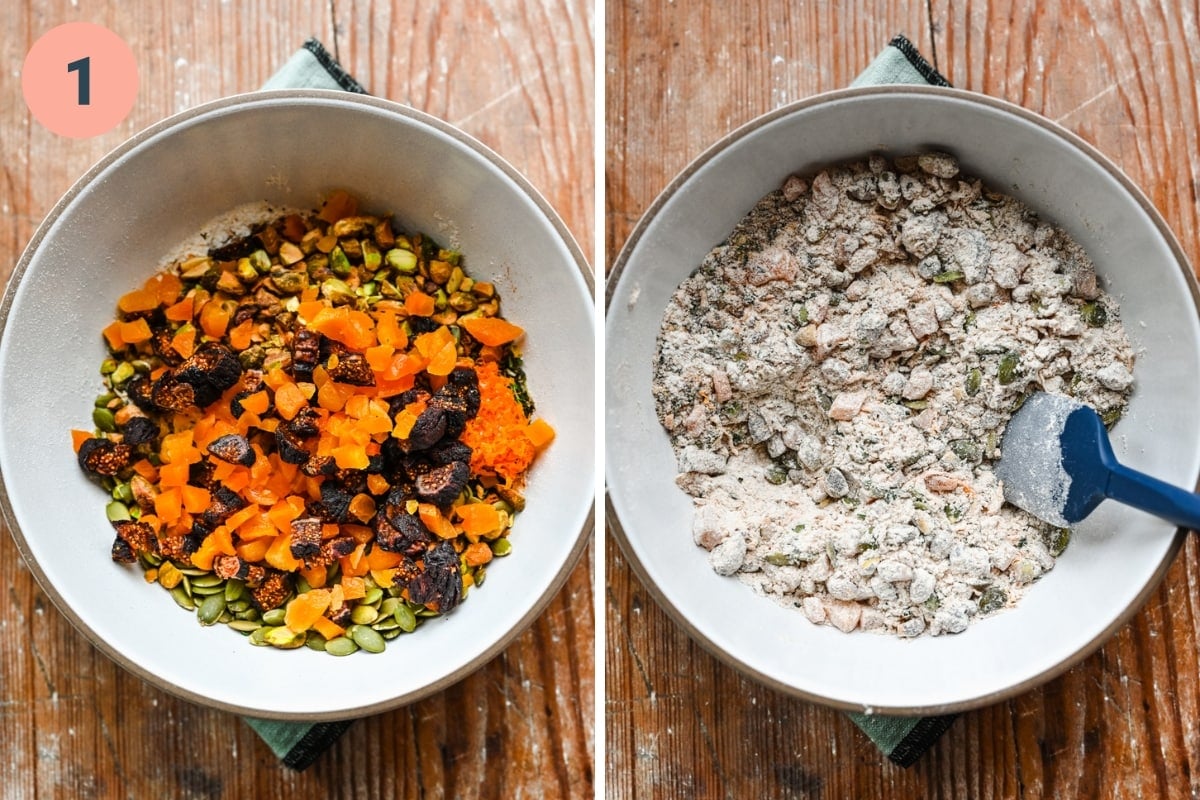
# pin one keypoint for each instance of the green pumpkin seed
(372, 597)
(182, 598)
(103, 419)
(103, 400)
(236, 606)
(206, 591)
(364, 615)
(122, 373)
(341, 646)
(1056, 540)
(274, 616)
(225, 618)
(211, 609)
(123, 492)
(1094, 314)
(386, 624)
(193, 572)
(208, 580)
(234, 590)
(250, 614)
(367, 638)
(284, 638)
(258, 636)
(992, 599)
(1007, 372)
(116, 511)
(389, 635)
(405, 618)
(501, 547)
(388, 607)
(302, 585)
(480, 576)
(245, 625)
(315, 641)
(974, 381)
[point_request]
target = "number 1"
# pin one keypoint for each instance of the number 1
(84, 67)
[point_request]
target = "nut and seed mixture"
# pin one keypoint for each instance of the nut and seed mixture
(836, 376)
(316, 432)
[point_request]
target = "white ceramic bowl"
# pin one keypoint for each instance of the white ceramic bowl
(111, 231)
(1115, 559)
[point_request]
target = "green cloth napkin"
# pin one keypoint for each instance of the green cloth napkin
(298, 744)
(902, 739)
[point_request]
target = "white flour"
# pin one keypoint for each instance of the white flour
(836, 376)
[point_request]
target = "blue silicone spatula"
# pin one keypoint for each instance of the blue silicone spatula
(1058, 464)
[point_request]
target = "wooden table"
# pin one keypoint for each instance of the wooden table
(517, 75)
(1125, 722)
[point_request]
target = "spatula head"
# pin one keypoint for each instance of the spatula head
(1055, 459)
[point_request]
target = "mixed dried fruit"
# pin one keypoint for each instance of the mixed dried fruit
(317, 433)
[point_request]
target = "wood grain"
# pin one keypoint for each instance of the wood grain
(519, 77)
(1124, 723)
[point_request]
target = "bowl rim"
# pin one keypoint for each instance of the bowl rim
(618, 272)
(315, 97)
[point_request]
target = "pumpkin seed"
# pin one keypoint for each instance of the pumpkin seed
(1094, 314)
(372, 597)
(258, 636)
(211, 609)
(284, 638)
(234, 590)
(116, 511)
(249, 614)
(123, 492)
(387, 623)
(225, 618)
(274, 616)
(405, 618)
(245, 625)
(1007, 371)
(315, 641)
(182, 598)
(392, 634)
(364, 615)
(367, 638)
(237, 605)
(501, 547)
(207, 580)
(480, 576)
(302, 585)
(992, 599)
(388, 607)
(205, 591)
(341, 646)
(974, 381)
(103, 419)
(192, 572)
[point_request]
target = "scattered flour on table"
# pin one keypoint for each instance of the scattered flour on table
(836, 376)
(237, 223)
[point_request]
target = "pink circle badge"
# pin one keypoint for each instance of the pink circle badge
(79, 80)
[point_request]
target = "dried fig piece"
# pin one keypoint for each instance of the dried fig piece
(233, 448)
(306, 537)
(440, 485)
(104, 457)
(439, 584)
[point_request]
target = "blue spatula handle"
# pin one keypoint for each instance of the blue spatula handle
(1157, 497)
(1088, 457)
